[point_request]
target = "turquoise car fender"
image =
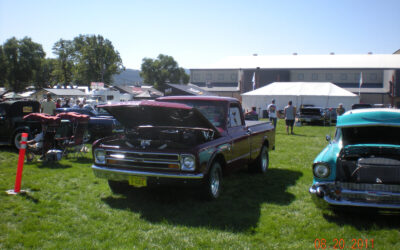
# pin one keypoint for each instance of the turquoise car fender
(329, 156)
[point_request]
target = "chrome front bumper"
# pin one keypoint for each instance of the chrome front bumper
(123, 175)
(357, 195)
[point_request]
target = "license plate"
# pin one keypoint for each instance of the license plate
(137, 181)
(27, 109)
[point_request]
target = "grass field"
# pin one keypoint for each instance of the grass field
(67, 207)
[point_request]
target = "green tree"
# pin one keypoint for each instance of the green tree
(44, 77)
(161, 70)
(64, 67)
(3, 68)
(96, 60)
(22, 59)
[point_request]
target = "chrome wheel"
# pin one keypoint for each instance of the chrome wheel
(264, 159)
(214, 182)
(211, 187)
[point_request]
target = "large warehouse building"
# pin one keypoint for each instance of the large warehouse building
(379, 74)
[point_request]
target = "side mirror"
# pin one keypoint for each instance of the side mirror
(328, 138)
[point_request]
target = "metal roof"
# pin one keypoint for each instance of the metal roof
(66, 92)
(368, 61)
(190, 89)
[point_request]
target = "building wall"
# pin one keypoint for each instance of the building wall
(375, 98)
(375, 88)
(214, 76)
(342, 78)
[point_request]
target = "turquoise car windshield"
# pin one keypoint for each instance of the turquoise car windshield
(371, 135)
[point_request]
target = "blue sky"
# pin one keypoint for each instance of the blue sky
(199, 33)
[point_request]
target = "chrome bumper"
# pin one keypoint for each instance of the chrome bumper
(123, 175)
(340, 194)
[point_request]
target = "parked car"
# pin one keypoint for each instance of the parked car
(185, 140)
(330, 115)
(361, 164)
(99, 125)
(11, 123)
(312, 115)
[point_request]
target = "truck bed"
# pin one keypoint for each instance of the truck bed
(253, 123)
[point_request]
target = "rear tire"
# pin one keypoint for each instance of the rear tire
(262, 162)
(119, 187)
(211, 186)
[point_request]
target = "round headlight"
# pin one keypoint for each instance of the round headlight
(321, 170)
(188, 162)
(100, 156)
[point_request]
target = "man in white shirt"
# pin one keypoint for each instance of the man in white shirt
(48, 106)
(272, 112)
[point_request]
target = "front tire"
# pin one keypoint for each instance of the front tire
(87, 136)
(212, 182)
(118, 187)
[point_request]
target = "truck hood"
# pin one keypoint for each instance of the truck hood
(158, 114)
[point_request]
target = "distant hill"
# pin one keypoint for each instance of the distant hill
(128, 77)
(132, 76)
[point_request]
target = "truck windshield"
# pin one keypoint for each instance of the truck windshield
(371, 135)
(215, 112)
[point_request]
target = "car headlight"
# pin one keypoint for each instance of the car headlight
(100, 156)
(188, 162)
(321, 170)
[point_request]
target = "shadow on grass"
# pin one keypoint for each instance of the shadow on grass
(29, 197)
(81, 160)
(237, 210)
(8, 148)
(363, 218)
(52, 165)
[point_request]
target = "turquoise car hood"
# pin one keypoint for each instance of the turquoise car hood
(370, 117)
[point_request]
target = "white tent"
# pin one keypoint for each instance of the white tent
(319, 94)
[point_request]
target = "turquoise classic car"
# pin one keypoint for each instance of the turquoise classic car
(361, 165)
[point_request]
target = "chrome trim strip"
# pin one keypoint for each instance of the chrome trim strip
(238, 158)
(118, 174)
(143, 161)
(139, 152)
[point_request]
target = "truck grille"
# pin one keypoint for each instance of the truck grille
(130, 160)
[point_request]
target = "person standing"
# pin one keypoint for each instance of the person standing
(272, 112)
(58, 103)
(290, 115)
(48, 106)
(77, 102)
(340, 110)
(66, 104)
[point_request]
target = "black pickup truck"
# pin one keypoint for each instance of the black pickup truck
(12, 124)
(99, 125)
